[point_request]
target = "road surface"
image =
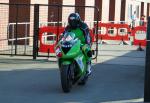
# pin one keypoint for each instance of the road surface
(117, 77)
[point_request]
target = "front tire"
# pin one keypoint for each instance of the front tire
(66, 80)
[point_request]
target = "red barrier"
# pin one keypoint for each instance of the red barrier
(92, 35)
(141, 31)
(53, 32)
(107, 29)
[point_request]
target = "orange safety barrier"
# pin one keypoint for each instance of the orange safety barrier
(138, 33)
(110, 31)
(50, 33)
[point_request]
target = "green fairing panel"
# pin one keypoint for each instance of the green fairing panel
(73, 52)
(81, 61)
(66, 62)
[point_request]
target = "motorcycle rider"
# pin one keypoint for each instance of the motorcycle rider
(74, 23)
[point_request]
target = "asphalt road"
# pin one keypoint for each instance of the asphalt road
(116, 78)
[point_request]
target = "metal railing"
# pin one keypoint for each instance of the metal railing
(11, 26)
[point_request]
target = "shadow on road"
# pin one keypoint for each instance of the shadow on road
(109, 83)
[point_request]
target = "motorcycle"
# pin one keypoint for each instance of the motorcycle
(72, 61)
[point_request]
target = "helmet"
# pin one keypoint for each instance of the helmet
(74, 20)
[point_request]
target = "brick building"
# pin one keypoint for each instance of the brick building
(110, 10)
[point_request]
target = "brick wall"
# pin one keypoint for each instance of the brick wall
(67, 10)
(43, 16)
(4, 9)
(89, 13)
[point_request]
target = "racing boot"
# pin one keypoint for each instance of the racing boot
(89, 68)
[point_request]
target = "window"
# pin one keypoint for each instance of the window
(123, 7)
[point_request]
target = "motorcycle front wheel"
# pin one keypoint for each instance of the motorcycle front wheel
(66, 78)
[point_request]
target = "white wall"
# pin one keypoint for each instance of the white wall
(43, 16)
(43, 10)
(89, 12)
(148, 1)
(105, 10)
(4, 12)
(67, 10)
(134, 4)
(145, 9)
(117, 10)
(126, 11)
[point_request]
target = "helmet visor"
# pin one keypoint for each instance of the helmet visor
(73, 23)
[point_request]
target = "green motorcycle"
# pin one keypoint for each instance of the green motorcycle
(72, 61)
